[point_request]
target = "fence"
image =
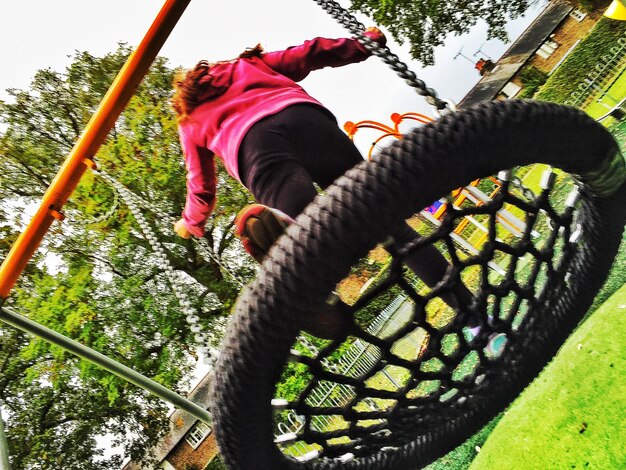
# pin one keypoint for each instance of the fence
(358, 360)
(598, 80)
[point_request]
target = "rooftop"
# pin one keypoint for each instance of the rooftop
(518, 54)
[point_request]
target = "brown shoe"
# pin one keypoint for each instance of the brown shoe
(259, 227)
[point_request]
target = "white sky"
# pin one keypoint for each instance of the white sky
(38, 34)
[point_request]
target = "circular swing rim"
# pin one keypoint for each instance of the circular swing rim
(336, 230)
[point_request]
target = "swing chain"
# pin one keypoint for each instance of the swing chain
(383, 52)
(187, 308)
(202, 242)
(101, 218)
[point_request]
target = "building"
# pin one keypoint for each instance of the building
(544, 45)
(190, 444)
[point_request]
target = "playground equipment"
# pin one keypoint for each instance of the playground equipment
(79, 160)
(428, 383)
(449, 386)
(616, 10)
(457, 198)
(459, 195)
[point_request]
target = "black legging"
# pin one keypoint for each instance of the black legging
(283, 155)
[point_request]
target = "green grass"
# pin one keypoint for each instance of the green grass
(574, 414)
(614, 93)
(215, 464)
(462, 456)
(616, 279)
(618, 129)
(532, 178)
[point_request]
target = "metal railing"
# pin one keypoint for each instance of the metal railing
(359, 359)
(597, 78)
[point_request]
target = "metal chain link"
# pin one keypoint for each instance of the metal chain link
(191, 316)
(203, 243)
(347, 20)
(101, 218)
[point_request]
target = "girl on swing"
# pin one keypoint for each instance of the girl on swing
(277, 141)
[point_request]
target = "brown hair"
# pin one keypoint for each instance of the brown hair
(194, 87)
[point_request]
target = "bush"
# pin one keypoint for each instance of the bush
(594, 5)
(216, 464)
(575, 68)
(532, 78)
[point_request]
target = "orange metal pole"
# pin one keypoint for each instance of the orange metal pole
(80, 158)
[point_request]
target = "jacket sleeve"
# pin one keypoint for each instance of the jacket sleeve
(296, 62)
(201, 185)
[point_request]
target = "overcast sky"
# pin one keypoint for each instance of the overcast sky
(37, 34)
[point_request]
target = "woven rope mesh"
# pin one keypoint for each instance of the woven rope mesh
(411, 362)
(420, 368)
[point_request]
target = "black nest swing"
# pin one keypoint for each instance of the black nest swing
(400, 388)
(405, 407)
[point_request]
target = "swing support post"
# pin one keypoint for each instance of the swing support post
(82, 351)
(4, 448)
(86, 147)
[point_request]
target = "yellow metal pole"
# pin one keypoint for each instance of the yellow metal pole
(80, 158)
(617, 10)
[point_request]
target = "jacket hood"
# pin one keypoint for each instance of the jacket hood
(219, 78)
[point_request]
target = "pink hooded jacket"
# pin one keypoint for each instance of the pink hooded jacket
(251, 89)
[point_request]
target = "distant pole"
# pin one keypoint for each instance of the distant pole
(460, 54)
(4, 448)
(480, 51)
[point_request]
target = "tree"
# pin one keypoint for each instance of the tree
(102, 286)
(426, 24)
